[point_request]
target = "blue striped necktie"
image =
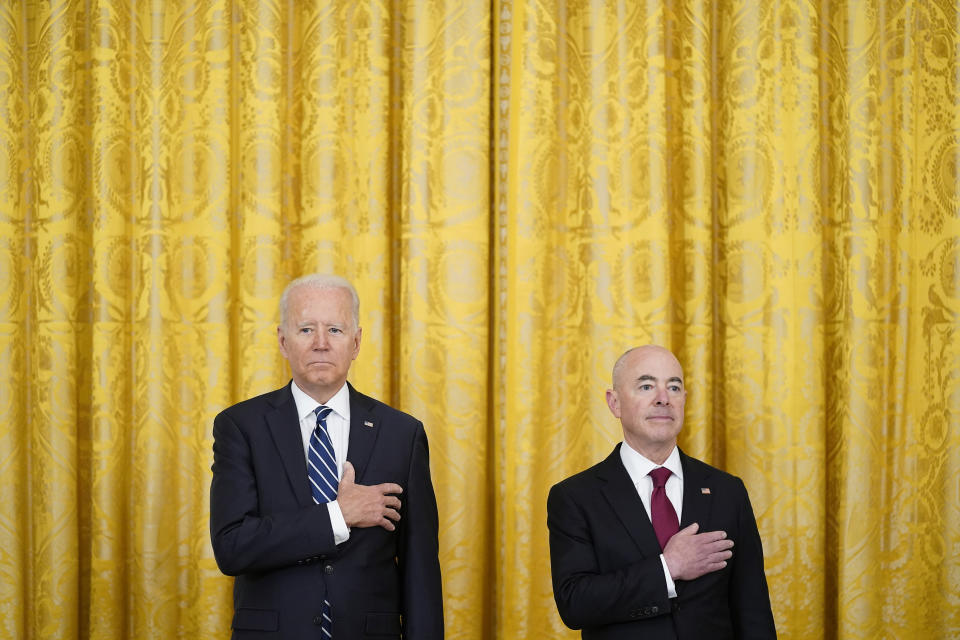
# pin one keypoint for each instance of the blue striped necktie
(322, 470)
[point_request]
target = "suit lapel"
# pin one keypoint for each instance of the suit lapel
(622, 495)
(696, 503)
(284, 424)
(364, 429)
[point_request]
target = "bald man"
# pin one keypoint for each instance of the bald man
(651, 543)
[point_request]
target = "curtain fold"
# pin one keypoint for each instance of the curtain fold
(441, 269)
(520, 192)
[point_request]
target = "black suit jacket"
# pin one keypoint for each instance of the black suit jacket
(267, 531)
(607, 576)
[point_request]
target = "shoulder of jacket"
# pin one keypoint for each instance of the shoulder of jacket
(264, 401)
(380, 409)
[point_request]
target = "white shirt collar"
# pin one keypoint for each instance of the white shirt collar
(639, 465)
(340, 402)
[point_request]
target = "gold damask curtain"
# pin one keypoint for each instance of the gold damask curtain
(520, 190)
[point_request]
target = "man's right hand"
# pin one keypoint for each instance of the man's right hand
(368, 505)
(690, 554)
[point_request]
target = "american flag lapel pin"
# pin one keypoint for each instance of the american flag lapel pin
(705, 490)
(367, 423)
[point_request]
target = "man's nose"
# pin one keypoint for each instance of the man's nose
(662, 397)
(320, 340)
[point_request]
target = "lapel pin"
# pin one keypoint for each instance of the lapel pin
(367, 423)
(705, 491)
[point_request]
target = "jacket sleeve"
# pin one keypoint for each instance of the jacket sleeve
(586, 595)
(418, 548)
(246, 535)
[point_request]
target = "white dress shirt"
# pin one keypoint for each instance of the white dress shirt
(639, 467)
(338, 426)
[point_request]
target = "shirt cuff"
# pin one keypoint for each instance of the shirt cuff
(671, 586)
(341, 532)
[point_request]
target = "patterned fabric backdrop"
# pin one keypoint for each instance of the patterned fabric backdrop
(521, 190)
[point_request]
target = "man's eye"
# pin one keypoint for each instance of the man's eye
(305, 330)
(646, 387)
(335, 330)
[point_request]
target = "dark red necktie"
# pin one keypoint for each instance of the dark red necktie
(662, 513)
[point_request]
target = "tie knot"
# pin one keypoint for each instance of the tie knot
(660, 475)
(322, 412)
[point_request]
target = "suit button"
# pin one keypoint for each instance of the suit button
(317, 620)
(328, 569)
(654, 609)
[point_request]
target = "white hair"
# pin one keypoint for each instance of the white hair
(321, 281)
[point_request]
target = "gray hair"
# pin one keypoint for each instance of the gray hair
(320, 281)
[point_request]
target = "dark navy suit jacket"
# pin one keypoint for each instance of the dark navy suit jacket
(607, 576)
(267, 531)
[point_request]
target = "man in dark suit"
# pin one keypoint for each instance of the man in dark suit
(651, 543)
(321, 502)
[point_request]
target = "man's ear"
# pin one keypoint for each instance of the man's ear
(356, 343)
(281, 341)
(613, 402)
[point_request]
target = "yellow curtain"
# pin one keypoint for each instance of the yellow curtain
(520, 190)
